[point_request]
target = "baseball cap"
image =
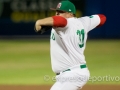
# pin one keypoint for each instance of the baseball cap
(66, 6)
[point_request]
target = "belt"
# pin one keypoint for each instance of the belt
(81, 66)
(57, 73)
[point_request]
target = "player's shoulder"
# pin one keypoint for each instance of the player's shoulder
(73, 19)
(89, 17)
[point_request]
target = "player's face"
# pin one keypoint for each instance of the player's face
(63, 14)
(59, 12)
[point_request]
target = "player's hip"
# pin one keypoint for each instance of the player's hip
(77, 74)
(80, 69)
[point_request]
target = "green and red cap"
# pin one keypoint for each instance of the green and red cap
(66, 6)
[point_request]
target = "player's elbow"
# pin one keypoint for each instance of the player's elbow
(102, 19)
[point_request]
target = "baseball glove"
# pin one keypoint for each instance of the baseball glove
(43, 29)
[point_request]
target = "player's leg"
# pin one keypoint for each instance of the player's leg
(56, 86)
(71, 80)
(64, 86)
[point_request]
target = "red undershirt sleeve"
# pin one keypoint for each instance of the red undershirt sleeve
(102, 19)
(59, 21)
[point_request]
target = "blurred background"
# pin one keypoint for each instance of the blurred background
(17, 17)
(24, 54)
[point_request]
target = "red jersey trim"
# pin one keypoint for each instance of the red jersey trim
(59, 21)
(102, 19)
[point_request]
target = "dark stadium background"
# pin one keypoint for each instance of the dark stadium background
(17, 17)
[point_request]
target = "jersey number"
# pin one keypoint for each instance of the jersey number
(52, 36)
(81, 35)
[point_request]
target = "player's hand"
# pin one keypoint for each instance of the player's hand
(42, 29)
(37, 27)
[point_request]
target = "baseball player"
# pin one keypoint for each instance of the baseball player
(67, 45)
